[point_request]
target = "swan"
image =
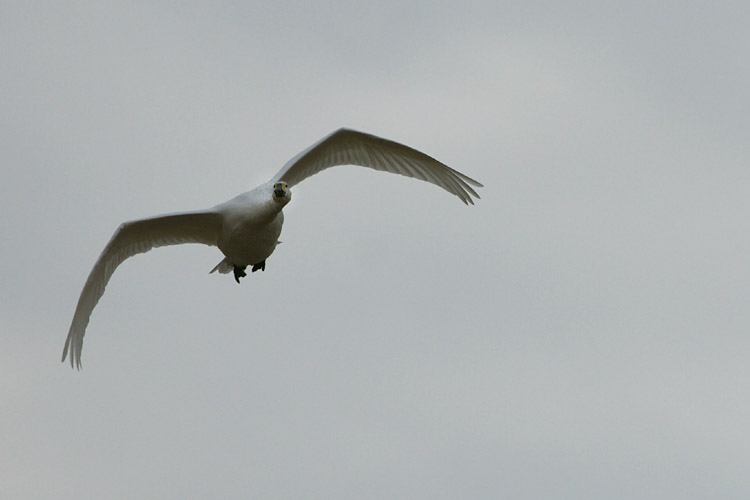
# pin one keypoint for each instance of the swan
(247, 227)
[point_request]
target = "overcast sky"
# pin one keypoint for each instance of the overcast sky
(582, 332)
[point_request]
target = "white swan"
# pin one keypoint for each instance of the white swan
(246, 228)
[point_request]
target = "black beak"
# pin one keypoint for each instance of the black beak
(278, 192)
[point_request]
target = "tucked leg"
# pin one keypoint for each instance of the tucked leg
(239, 272)
(259, 265)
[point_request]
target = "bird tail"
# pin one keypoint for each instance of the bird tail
(224, 267)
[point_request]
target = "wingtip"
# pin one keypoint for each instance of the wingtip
(471, 181)
(74, 363)
(74, 358)
(467, 198)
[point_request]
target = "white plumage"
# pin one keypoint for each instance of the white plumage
(246, 228)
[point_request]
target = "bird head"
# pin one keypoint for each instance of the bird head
(281, 192)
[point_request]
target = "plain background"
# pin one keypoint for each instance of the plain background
(582, 332)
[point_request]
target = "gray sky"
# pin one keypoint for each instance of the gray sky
(582, 332)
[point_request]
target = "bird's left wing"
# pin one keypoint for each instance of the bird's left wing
(349, 147)
(130, 239)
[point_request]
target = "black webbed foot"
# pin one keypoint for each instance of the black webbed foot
(259, 265)
(239, 272)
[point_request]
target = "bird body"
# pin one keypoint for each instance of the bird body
(251, 225)
(247, 227)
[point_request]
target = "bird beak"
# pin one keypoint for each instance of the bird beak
(279, 192)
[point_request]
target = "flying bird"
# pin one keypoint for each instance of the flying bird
(247, 227)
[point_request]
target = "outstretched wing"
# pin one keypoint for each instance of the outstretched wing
(349, 147)
(132, 238)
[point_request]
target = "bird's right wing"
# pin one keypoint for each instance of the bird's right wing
(130, 239)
